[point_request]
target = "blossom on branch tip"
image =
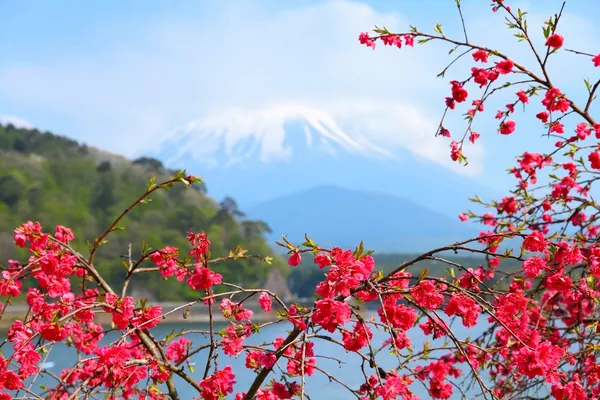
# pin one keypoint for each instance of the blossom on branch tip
(555, 41)
(294, 259)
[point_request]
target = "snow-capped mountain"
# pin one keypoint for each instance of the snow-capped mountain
(258, 156)
(260, 135)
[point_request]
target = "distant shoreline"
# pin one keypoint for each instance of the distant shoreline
(198, 313)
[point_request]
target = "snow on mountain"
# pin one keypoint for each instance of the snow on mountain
(240, 136)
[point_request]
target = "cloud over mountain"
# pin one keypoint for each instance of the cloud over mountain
(18, 122)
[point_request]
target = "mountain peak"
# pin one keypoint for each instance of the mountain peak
(265, 134)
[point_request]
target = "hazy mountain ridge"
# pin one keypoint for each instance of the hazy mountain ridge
(337, 216)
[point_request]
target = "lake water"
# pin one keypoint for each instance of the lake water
(317, 386)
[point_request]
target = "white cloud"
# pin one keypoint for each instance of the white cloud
(253, 59)
(18, 122)
(245, 57)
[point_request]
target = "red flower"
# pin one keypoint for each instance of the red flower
(281, 391)
(235, 310)
(507, 127)
(465, 307)
(322, 260)
(522, 97)
(257, 359)
(295, 259)
(64, 234)
(149, 318)
(533, 266)
(394, 387)
(218, 385)
(365, 39)
(543, 116)
(177, 350)
(508, 205)
(53, 332)
(357, 339)
(295, 318)
(265, 301)
(505, 66)
(480, 76)
(480, 55)
(572, 391)
(555, 41)
(596, 60)
(557, 127)
(455, 151)
(539, 361)
(330, 313)
(559, 282)
(233, 342)
(473, 136)
(399, 316)
(166, 260)
(427, 295)
(203, 278)
(201, 244)
(10, 380)
(535, 242)
(594, 159)
(459, 94)
(391, 40)
(554, 100)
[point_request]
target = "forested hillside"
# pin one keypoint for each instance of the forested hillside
(58, 181)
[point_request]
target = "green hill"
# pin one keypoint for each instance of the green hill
(57, 181)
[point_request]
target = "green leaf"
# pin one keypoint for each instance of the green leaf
(359, 250)
(520, 36)
(308, 242)
(451, 273)
(151, 184)
(117, 228)
(588, 85)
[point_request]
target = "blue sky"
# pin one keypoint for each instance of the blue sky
(121, 75)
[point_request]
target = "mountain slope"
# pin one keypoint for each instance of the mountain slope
(255, 163)
(61, 182)
(342, 217)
